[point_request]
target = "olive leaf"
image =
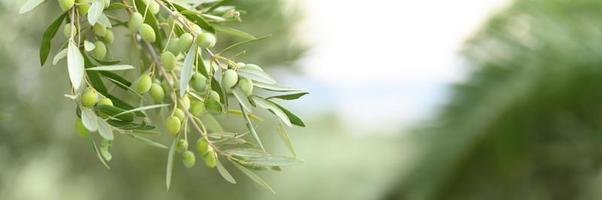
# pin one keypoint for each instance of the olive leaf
(294, 118)
(234, 32)
(89, 119)
(141, 109)
(186, 73)
(271, 161)
(275, 87)
(242, 99)
(60, 55)
(98, 155)
(89, 46)
(110, 68)
(198, 20)
(104, 129)
(271, 106)
(105, 145)
(255, 75)
(30, 5)
(48, 36)
(95, 11)
(75, 65)
(246, 153)
(146, 141)
(224, 172)
(104, 20)
(291, 96)
(169, 168)
(284, 137)
(254, 177)
(249, 125)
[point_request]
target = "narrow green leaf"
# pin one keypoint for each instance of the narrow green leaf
(186, 72)
(198, 20)
(95, 11)
(75, 65)
(105, 146)
(234, 32)
(271, 161)
(241, 44)
(256, 75)
(147, 141)
(218, 4)
(113, 110)
(104, 20)
(141, 109)
(104, 129)
(169, 168)
(276, 88)
(60, 55)
(284, 137)
(294, 118)
(48, 36)
(246, 153)
(251, 128)
(95, 148)
(116, 6)
(254, 177)
(224, 172)
(271, 106)
(30, 5)
(291, 96)
(110, 68)
(242, 99)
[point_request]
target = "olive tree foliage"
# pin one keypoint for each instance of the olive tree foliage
(182, 82)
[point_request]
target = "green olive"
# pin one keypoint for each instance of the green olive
(229, 79)
(173, 124)
(205, 40)
(196, 29)
(66, 4)
(154, 8)
(179, 114)
(83, 6)
(165, 86)
(173, 46)
(197, 108)
(80, 128)
(254, 66)
(143, 84)
(214, 96)
(168, 60)
(157, 92)
(210, 159)
(67, 30)
(202, 146)
(135, 22)
(185, 41)
(188, 159)
(99, 29)
(100, 51)
(198, 82)
(246, 86)
(105, 101)
(147, 33)
(182, 145)
(184, 102)
(109, 37)
(89, 97)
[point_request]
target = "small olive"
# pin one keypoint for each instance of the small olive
(109, 37)
(157, 92)
(105, 101)
(185, 41)
(179, 114)
(66, 4)
(89, 98)
(173, 46)
(154, 8)
(80, 128)
(184, 102)
(210, 159)
(83, 6)
(197, 108)
(135, 22)
(143, 84)
(214, 96)
(173, 124)
(205, 40)
(100, 51)
(188, 159)
(99, 29)
(196, 29)
(147, 33)
(246, 85)
(182, 145)
(202, 146)
(67, 30)
(198, 82)
(229, 79)
(168, 60)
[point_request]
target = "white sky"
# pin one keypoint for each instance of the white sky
(384, 64)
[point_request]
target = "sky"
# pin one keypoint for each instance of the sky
(384, 65)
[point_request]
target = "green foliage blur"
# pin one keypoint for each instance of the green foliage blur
(527, 123)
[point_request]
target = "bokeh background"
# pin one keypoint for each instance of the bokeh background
(465, 99)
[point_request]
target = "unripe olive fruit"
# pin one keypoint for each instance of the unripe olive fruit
(185, 41)
(168, 60)
(229, 79)
(89, 98)
(198, 82)
(99, 29)
(157, 92)
(188, 159)
(135, 22)
(67, 30)
(197, 108)
(254, 66)
(109, 37)
(202, 146)
(147, 33)
(184, 102)
(66, 4)
(173, 46)
(179, 114)
(100, 51)
(83, 6)
(205, 40)
(182, 145)
(154, 8)
(165, 86)
(196, 29)
(214, 95)
(172, 125)
(143, 84)
(210, 159)
(80, 128)
(246, 86)
(105, 101)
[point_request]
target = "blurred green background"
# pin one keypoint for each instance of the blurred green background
(524, 123)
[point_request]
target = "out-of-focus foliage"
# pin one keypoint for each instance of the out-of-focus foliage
(527, 124)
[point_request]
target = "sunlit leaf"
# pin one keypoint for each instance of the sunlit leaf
(169, 168)
(89, 119)
(256, 75)
(60, 55)
(30, 5)
(95, 11)
(104, 129)
(75, 65)
(224, 172)
(186, 72)
(110, 68)
(89, 46)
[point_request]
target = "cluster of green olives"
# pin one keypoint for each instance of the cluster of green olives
(90, 98)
